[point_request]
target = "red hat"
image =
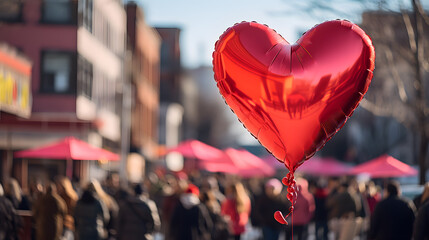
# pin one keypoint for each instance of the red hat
(193, 189)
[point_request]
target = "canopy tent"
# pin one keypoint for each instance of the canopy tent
(384, 166)
(232, 161)
(273, 162)
(69, 149)
(328, 166)
(197, 150)
(247, 164)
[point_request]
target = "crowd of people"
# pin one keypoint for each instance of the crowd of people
(177, 206)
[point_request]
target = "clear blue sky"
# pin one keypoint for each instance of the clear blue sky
(203, 21)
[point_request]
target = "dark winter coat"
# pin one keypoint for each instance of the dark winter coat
(49, 214)
(9, 220)
(190, 220)
(90, 217)
(393, 219)
(138, 219)
(265, 207)
(421, 226)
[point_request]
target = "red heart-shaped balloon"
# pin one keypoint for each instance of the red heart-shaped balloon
(293, 98)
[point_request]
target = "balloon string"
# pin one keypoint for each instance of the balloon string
(290, 182)
(292, 220)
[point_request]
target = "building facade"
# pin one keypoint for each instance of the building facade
(144, 45)
(77, 49)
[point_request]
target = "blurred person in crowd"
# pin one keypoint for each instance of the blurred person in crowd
(332, 189)
(14, 193)
(256, 188)
(320, 212)
(111, 205)
(112, 184)
(265, 207)
(70, 197)
(236, 208)
(210, 183)
(393, 217)
(190, 219)
(421, 226)
(90, 216)
(418, 200)
(138, 217)
(373, 197)
(303, 209)
(9, 220)
(363, 215)
(220, 229)
(36, 190)
(49, 213)
(173, 189)
(345, 207)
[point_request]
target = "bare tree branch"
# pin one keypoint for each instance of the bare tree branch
(377, 110)
(399, 83)
(422, 12)
(410, 31)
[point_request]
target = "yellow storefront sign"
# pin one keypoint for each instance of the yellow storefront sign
(14, 92)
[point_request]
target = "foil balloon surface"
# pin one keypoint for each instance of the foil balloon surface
(293, 97)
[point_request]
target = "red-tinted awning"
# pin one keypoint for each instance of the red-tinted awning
(68, 148)
(384, 166)
(318, 166)
(197, 150)
(249, 165)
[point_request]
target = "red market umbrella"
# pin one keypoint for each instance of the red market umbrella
(248, 165)
(223, 165)
(69, 149)
(273, 162)
(197, 150)
(318, 166)
(384, 166)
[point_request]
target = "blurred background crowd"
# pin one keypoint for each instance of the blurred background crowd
(211, 206)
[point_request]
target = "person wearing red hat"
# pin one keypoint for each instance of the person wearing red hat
(190, 219)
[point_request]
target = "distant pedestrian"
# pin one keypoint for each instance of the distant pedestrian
(393, 217)
(372, 196)
(320, 213)
(173, 190)
(418, 200)
(266, 205)
(138, 217)
(111, 205)
(421, 226)
(9, 220)
(14, 193)
(70, 197)
(190, 219)
(303, 209)
(49, 213)
(345, 206)
(236, 208)
(211, 183)
(220, 229)
(90, 216)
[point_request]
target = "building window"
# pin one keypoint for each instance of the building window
(84, 78)
(165, 56)
(85, 14)
(10, 10)
(59, 11)
(58, 72)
